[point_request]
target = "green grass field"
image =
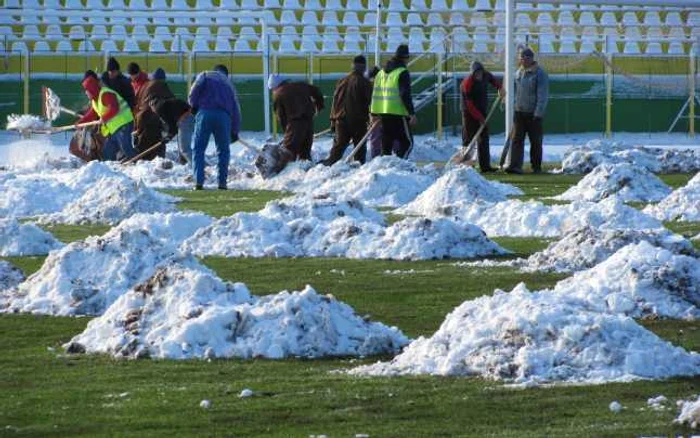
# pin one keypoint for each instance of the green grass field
(47, 393)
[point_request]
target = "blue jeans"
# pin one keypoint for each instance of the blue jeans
(184, 137)
(119, 141)
(208, 122)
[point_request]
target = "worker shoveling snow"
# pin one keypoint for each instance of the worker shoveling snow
(458, 185)
(526, 338)
(185, 311)
(583, 159)
(10, 276)
(17, 239)
(682, 204)
(517, 218)
(625, 181)
(309, 227)
(85, 277)
(589, 246)
(111, 200)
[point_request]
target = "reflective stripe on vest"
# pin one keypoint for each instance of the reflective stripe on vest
(123, 117)
(385, 97)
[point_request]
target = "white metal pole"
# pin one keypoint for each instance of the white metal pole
(608, 87)
(691, 98)
(377, 41)
(266, 73)
(508, 77)
(439, 95)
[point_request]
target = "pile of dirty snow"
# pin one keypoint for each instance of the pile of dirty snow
(22, 122)
(528, 338)
(111, 200)
(681, 205)
(10, 276)
(690, 413)
(534, 219)
(588, 246)
(85, 277)
(639, 280)
(308, 227)
(185, 311)
(460, 184)
(17, 239)
(626, 181)
(583, 159)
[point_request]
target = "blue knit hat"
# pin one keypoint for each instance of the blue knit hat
(159, 74)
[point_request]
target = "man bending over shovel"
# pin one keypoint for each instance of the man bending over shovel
(117, 121)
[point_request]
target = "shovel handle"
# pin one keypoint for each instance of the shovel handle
(322, 133)
(71, 127)
(141, 154)
(248, 146)
(362, 141)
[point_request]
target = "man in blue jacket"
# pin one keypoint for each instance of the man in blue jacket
(213, 99)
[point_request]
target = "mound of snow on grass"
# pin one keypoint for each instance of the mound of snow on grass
(690, 413)
(86, 277)
(641, 281)
(681, 205)
(586, 247)
(309, 227)
(528, 338)
(534, 219)
(626, 181)
(111, 200)
(185, 311)
(458, 185)
(10, 276)
(583, 159)
(18, 239)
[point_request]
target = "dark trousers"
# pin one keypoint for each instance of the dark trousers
(526, 123)
(470, 126)
(345, 133)
(395, 128)
(298, 138)
(149, 128)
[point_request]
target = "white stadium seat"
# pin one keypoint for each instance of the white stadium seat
(369, 19)
(439, 5)
(522, 19)
(694, 19)
(566, 18)
(308, 44)
(652, 18)
(435, 19)
(76, 33)
(156, 46)
(653, 48)
(163, 33)
(179, 45)
(676, 48)
(351, 19)
(460, 5)
(587, 19)
(457, 19)
(291, 4)
(416, 40)
(267, 4)
(287, 45)
(588, 46)
(545, 19)
(483, 5)
(137, 5)
(41, 47)
(224, 31)
(201, 44)
(249, 5)
(222, 44)
(673, 19)
(354, 5)
(309, 17)
(352, 46)
(53, 32)
(608, 19)
(131, 45)
(115, 4)
(392, 19)
(330, 18)
(86, 46)
(288, 17)
(62, 46)
(419, 5)
(310, 33)
(414, 20)
(631, 48)
(396, 5)
(31, 32)
(437, 40)
(109, 46)
(478, 19)
(73, 4)
(460, 40)
(630, 18)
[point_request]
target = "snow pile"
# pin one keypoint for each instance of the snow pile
(626, 181)
(690, 413)
(84, 278)
(681, 205)
(185, 311)
(21, 122)
(10, 276)
(111, 200)
(639, 280)
(534, 219)
(583, 159)
(588, 246)
(529, 338)
(458, 185)
(657, 403)
(303, 226)
(24, 239)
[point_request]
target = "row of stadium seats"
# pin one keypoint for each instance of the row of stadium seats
(327, 45)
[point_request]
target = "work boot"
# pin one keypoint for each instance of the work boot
(513, 171)
(488, 170)
(223, 188)
(198, 187)
(536, 170)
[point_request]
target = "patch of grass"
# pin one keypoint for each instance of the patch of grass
(537, 185)
(222, 203)
(687, 229)
(72, 233)
(28, 264)
(676, 180)
(523, 246)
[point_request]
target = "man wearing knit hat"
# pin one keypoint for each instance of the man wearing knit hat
(392, 102)
(114, 79)
(531, 95)
(474, 109)
(350, 112)
(117, 121)
(148, 131)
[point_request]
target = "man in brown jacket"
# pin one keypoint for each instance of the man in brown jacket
(148, 130)
(350, 112)
(296, 104)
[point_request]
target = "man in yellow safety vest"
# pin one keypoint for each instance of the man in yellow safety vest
(392, 102)
(117, 121)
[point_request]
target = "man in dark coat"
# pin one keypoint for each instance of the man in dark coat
(148, 125)
(350, 112)
(474, 109)
(115, 80)
(296, 105)
(392, 102)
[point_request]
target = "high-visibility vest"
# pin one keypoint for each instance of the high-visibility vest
(123, 117)
(385, 97)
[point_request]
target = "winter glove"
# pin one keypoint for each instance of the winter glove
(234, 137)
(373, 72)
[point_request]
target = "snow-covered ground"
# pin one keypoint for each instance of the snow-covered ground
(185, 311)
(18, 239)
(682, 204)
(10, 276)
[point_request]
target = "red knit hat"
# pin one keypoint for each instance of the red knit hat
(92, 86)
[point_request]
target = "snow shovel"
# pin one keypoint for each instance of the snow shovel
(362, 141)
(141, 154)
(51, 105)
(468, 155)
(505, 154)
(271, 159)
(322, 133)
